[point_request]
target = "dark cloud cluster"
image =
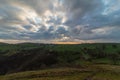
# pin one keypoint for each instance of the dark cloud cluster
(76, 9)
(60, 20)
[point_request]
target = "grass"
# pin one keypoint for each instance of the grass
(96, 69)
(45, 74)
(107, 76)
(102, 61)
(91, 72)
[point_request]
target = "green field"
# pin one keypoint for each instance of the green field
(30, 61)
(92, 72)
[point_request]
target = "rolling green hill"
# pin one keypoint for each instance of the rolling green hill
(49, 58)
(93, 72)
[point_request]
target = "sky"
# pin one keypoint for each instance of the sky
(59, 21)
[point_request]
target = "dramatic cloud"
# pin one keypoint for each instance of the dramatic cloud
(59, 21)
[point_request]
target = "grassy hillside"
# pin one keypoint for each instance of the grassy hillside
(93, 72)
(81, 61)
